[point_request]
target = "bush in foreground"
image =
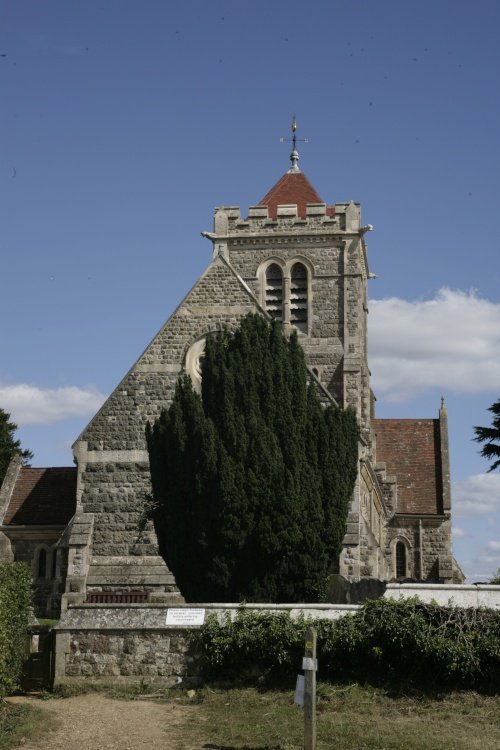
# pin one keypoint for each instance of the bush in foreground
(15, 599)
(387, 642)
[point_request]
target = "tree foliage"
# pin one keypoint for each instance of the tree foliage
(490, 436)
(15, 600)
(9, 446)
(252, 480)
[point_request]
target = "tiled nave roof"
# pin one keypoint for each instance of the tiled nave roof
(411, 450)
(43, 497)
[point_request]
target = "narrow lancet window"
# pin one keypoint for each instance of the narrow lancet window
(400, 560)
(274, 292)
(298, 297)
(42, 563)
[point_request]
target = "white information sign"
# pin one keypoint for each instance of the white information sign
(182, 616)
(308, 663)
(299, 690)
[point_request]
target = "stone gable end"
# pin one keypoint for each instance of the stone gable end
(219, 299)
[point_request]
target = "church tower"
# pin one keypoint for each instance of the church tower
(306, 263)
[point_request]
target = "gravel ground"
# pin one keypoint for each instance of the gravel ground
(95, 722)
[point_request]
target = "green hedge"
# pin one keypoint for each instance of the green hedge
(404, 643)
(15, 599)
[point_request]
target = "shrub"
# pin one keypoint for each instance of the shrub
(15, 599)
(404, 643)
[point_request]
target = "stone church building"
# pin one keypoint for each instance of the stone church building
(304, 262)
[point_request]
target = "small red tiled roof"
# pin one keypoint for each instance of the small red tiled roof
(293, 187)
(411, 450)
(43, 497)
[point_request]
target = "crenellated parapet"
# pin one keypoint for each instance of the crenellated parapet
(319, 217)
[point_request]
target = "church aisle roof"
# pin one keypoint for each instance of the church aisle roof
(411, 450)
(43, 497)
(293, 188)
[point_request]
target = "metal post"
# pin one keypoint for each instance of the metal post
(309, 665)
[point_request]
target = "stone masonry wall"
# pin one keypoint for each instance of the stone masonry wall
(435, 543)
(115, 493)
(163, 656)
(325, 258)
(113, 467)
(217, 300)
(128, 644)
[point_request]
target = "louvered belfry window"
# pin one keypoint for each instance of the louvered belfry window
(274, 292)
(298, 297)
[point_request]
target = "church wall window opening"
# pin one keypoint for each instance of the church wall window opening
(286, 292)
(274, 292)
(298, 297)
(400, 560)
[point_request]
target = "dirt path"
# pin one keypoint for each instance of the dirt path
(95, 722)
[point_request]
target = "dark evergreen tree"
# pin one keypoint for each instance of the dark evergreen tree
(490, 436)
(252, 480)
(9, 446)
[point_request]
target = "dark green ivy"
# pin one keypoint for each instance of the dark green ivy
(251, 482)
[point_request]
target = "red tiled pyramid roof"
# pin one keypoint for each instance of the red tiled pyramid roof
(293, 187)
(411, 450)
(43, 497)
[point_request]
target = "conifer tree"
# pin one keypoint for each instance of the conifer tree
(490, 436)
(9, 446)
(252, 480)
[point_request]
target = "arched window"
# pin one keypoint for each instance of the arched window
(55, 560)
(274, 292)
(400, 560)
(298, 297)
(41, 568)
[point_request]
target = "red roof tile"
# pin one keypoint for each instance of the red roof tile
(411, 449)
(43, 497)
(293, 187)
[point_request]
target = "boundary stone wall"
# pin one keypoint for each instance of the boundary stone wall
(127, 643)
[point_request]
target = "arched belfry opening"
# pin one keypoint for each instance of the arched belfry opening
(298, 297)
(274, 292)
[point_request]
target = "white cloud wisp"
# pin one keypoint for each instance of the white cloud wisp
(28, 404)
(450, 342)
(477, 495)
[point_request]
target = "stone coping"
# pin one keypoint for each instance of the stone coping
(145, 616)
(455, 595)
(457, 587)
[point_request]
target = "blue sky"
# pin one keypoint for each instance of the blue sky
(125, 123)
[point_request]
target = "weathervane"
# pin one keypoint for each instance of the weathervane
(294, 156)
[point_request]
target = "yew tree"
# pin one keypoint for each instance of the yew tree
(252, 479)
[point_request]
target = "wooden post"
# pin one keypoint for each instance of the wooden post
(309, 666)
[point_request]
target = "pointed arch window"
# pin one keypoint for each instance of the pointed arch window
(400, 560)
(274, 292)
(41, 568)
(298, 297)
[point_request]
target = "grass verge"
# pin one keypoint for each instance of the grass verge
(347, 717)
(19, 722)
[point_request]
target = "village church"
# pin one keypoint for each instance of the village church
(303, 262)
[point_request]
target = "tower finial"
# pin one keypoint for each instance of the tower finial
(294, 156)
